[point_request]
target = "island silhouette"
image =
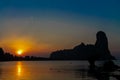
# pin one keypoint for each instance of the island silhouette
(90, 52)
(98, 51)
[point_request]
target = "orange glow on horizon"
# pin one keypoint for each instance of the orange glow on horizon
(24, 46)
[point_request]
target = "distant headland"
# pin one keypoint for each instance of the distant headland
(97, 51)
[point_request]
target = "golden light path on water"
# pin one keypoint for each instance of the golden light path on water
(19, 69)
(22, 71)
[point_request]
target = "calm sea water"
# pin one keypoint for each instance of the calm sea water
(45, 70)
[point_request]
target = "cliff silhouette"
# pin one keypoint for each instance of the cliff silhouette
(90, 52)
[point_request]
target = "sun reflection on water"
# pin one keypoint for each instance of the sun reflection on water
(19, 69)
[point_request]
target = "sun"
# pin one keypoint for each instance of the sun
(20, 51)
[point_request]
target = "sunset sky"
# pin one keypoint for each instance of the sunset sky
(38, 27)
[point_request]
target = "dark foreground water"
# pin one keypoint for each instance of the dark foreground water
(46, 70)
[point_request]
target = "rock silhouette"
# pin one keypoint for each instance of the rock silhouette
(1, 54)
(99, 51)
(1, 51)
(102, 46)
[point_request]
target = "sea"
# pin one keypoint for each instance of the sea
(49, 70)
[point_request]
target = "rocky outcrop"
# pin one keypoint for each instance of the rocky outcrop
(1, 51)
(99, 51)
(1, 54)
(102, 46)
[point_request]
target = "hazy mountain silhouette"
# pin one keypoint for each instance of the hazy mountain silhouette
(99, 51)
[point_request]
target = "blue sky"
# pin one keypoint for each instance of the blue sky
(68, 21)
(100, 8)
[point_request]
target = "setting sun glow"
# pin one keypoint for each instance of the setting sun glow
(19, 52)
